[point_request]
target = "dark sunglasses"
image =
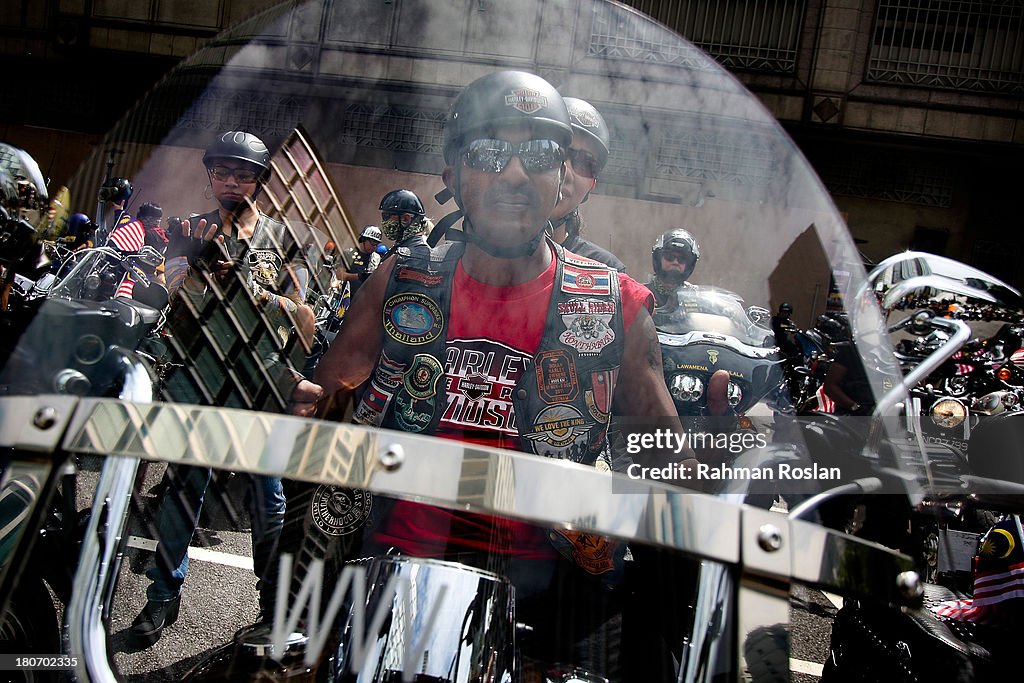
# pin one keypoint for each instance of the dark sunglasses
(677, 256)
(583, 162)
(492, 156)
(242, 175)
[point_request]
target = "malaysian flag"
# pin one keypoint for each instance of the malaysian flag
(1017, 358)
(998, 577)
(126, 288)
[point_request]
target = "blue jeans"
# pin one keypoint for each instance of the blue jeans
(179, 516)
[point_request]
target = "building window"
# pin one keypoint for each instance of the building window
(739, 34)
(974, 45)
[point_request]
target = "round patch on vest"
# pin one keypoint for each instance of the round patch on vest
(560, 431)
(412, 318)
(338, 511)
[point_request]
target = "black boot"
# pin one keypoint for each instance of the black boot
(154, 617)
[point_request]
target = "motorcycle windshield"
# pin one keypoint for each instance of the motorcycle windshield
(706, 310)
(472, 469)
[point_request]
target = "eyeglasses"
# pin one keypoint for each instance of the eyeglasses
(676, 256)
(405, 218)
(492, 156)
(583, 162)
(242, 175)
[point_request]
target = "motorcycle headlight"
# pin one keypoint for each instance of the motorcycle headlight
(734, 394)
(948, 413)
(687, 388)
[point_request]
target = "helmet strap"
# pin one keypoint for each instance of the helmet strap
(498, 251)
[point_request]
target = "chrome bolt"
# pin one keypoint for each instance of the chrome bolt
(393, 457)
(910, 585)
(45, 418)
(769, 538)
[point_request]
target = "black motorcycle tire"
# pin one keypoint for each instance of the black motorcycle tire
(31, 627)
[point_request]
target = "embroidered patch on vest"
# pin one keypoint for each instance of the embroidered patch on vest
(587, 324)
(338, 511)
(585, 281)
(427, 279)
(265, 266)
(556, 376)
(371, 409)
(422, 377)
(388, 373)
(413, 414)
(560, 431)
(412, 318)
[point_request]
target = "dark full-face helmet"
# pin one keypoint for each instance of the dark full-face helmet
(242, 146)
(587, 121)
(681, 241)
(401, 214)
(501, 100)
(785, 308)
(116, 190)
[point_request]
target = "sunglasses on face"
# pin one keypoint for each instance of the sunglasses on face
(674, 256)
(241, 175)
(583, 162)
(492, 156)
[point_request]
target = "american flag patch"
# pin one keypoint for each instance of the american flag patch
(584, 281)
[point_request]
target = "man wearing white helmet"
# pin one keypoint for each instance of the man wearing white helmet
(359, 263)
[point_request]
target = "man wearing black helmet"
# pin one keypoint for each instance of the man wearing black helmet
(585, 158)
(674, 256)
(114, 195)
(404, 219)
(234, 256)
(477, 342)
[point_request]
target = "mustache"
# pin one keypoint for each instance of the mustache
(505, 192)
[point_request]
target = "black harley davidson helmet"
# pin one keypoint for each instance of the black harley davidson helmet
(504, 99)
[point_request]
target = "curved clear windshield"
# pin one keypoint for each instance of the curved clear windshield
(454, 446)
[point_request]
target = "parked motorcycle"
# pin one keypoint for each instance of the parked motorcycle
(708, 331)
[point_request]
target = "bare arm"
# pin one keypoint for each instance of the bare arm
(352, 356)
(641, 396)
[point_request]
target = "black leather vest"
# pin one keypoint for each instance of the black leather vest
(562, 402)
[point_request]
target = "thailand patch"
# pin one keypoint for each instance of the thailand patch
(556, 376)
(388, 373)
(423, 376)
(560, 431)
(412, 318)
(338, 511)
(585, 281)
(587, 324)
